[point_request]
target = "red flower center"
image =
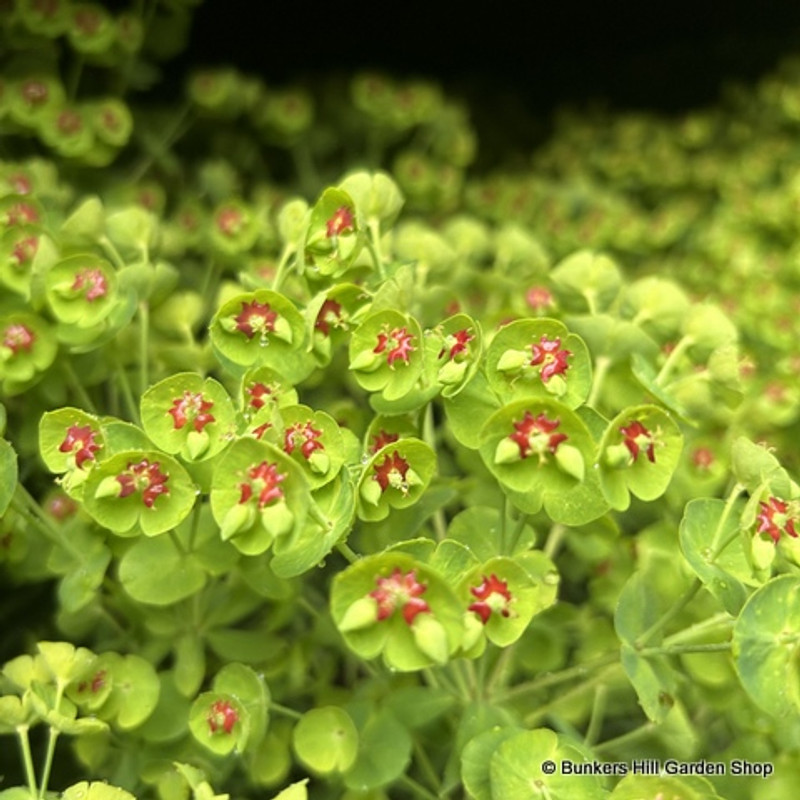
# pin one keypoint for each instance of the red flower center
(776, 517)
(194, 408)
(392, 472)
(637, 437)
(381, 439)
(549, 357)
(535, 435)
(398, 345)
(258, 392)
(256, 318)
(305, 436)
(62, 507)
(703, 458)
(69, 122)
(80, 440)
(34, 92)
(329, 314)
(341, 222)
(21, 214)
(87, 21)
(145, 478)
(18, 337)
(457, 343)
(24, 251)
(94, 685)
(222, 716)
(539, 298)
(230, 221)
(263, 483)
(492, 596)
(400, 591)
(92, 282)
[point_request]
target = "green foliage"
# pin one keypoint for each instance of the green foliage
(415, 482)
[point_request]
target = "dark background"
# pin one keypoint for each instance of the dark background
(657, 55)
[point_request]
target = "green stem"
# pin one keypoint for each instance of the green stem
(280, 272)
(178, 544)
(74, 77)
(519, 525)
(51, 743)
(418, 788)
(77, 386)
(304, 164)
(718, 547)
(25, 746)
(570, 695)
(554, 679)
(672, 359)
(111, 251)
(596, 719)
(172, 134)
(196, 512)
(127, 393)
(669, 615)
(285, 710)
(345, 549)
(718, 620)
(374, 246)
(601, 366)
(144, 331)
(554, 539)
(498, 671)
(33, 514)
(627, 738)
(677, 649)
(425, 765)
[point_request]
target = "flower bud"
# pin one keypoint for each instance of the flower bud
(319, 462)
(197, 443)
(507, 452)
(277, 518)
(240, 518)
(108, 487)
(361, 614)
(618, 456)
(452, 372)
(371, 492)
(513, 360)
(430, 637)
(570, 460)
(473, 631)
(367, 361)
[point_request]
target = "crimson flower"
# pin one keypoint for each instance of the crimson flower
(381, 439)
(703, 458)
(637, 437)
(400, 591)
(222, 716)
(341, 222)
(539, 298)
(305, 436)
(24, 251)
(549, 357)
(264, 480)
(93, 281)
(229, 221)
(397, 344)
(492, 595)
(145, 478)
(255, 318)
(192, 407)
(457, 342)
(329, 314)
(535, 435)
(257, 392)
(391, 471)
(774, 518)
(80, 440)
(97, 682)
(18, 337)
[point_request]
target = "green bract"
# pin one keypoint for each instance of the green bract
(262, 328)
(144, 487)
(539, 358)
(188, 415)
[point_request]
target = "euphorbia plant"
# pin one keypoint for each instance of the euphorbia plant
(364, 505)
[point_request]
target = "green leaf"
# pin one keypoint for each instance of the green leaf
(476, 758)
(468, 410)
(517, 769)
(587, 280)
(155, 571)
(766, 638)
(134, 692)
(8, 475)
(326, 740)
(658, 787)
(724, 573)
(297, 791)
(98, 790)
(384, 751)
(755, 467)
